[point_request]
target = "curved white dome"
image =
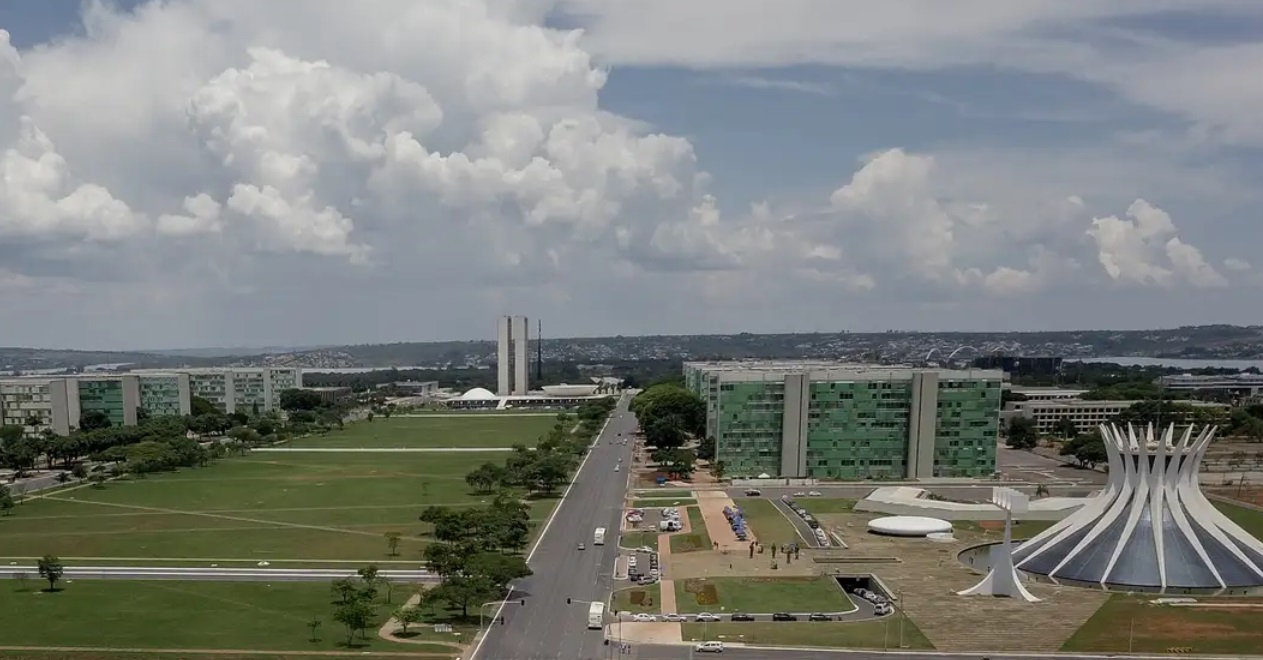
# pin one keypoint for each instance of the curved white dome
(478, 394)
(569, 390)
(909, 526)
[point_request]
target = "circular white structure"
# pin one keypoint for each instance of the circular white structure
(570, 390)
(909, 526)
(478, 394)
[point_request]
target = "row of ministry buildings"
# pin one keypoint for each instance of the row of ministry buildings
(831, 420)
(38, 403)
(835, 420)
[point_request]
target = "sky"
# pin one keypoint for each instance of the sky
(194, 173)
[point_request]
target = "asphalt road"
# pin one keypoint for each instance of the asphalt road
(546, 627)
(215, 574)
(807, 534)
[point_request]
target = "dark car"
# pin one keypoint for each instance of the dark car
(819, 617)
(784, 616)
(742, 617)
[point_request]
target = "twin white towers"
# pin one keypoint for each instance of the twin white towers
(513, 356)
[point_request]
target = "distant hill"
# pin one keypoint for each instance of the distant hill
(1199, 342)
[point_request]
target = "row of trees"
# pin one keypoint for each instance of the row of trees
(669, 415)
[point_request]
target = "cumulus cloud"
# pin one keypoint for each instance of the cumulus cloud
(1143, 248)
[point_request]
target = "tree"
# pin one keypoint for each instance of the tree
(51, 569)
(1021, 433)
(1065, 428)
(465, 590)
(357, 615)
(199, 406)
(717, 470)
(706, 448)
(93, 420)
(445, 559)
(406, 616)
(295, 399)
(392, 543)
(313, 626)
(485, 477)
(369, 416)
(497, 568)
(344, 590)
(1087, 449)
(6, 500)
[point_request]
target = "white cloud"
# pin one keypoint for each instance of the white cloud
(1216, 87)
(1146, 250)
(1238, 265)
(202, 171)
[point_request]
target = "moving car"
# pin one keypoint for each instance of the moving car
(784, 616)
(707, 616)
(675, 618)
(739, 616)
(644, 618)
(581, 546)
(753, 492)
(616, 468)
(814, 493)
(709, 647)
(819, 617)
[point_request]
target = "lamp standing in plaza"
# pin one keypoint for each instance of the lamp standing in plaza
(1002, 579)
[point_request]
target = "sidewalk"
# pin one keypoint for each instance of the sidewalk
(666, 585)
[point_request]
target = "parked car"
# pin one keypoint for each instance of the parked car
(741, 617)
(883, 609)
(819, 617)
(800, 494)
(784, 616)
(753, 492)
(707, 616)
(814, 493)
(675, 618)
(644, 618)
(709, 647)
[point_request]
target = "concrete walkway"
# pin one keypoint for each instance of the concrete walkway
(666, 588)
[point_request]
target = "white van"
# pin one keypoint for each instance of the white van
(596, 616)
(598, 537)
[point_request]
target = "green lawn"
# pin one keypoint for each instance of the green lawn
(638, 539)
(650, 493)
(430, 432)
(696, 538)
(761, 595)
(1022, 529)
(1125, 620)
(1251, 520)
(638, 599)
(767, 522)
(883, 634)
(658, 503)
(261, 506)
(819, 505)
(191, 615)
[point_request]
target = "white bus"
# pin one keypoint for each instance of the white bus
(598, 537)
(596, 616)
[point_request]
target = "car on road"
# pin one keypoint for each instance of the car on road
(675, 618)
(819, 617)
(644, 548)
(882, 609)
(707, 616)
(740, 616)
(800, 494)
(814, 493)
(582, 547)
(709, 647)
(753, 492)
(644, 618)
(616, 468)
(784, 616)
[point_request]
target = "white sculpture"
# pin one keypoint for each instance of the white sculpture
(1002, 579)
(1151, 529)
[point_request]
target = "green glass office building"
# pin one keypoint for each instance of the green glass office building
(830, 420)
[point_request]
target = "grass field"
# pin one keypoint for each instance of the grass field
(818, 505)
(761, 595)
(261, 506)
(638, 599)
(435, 432)
(1125, 621)
(883, 634)
(652, 493)
(658, 503)
(638, 539)
(696, 538)
(1022, 529)
(767, 522)
(187, 615)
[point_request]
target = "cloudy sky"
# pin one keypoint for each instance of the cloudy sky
(236, 172)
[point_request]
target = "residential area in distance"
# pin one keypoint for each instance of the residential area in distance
(719, 504)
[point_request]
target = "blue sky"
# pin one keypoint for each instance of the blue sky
(1036, 166)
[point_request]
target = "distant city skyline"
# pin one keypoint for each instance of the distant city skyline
(247, 179)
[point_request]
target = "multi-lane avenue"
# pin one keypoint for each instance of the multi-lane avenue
(546, 626)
